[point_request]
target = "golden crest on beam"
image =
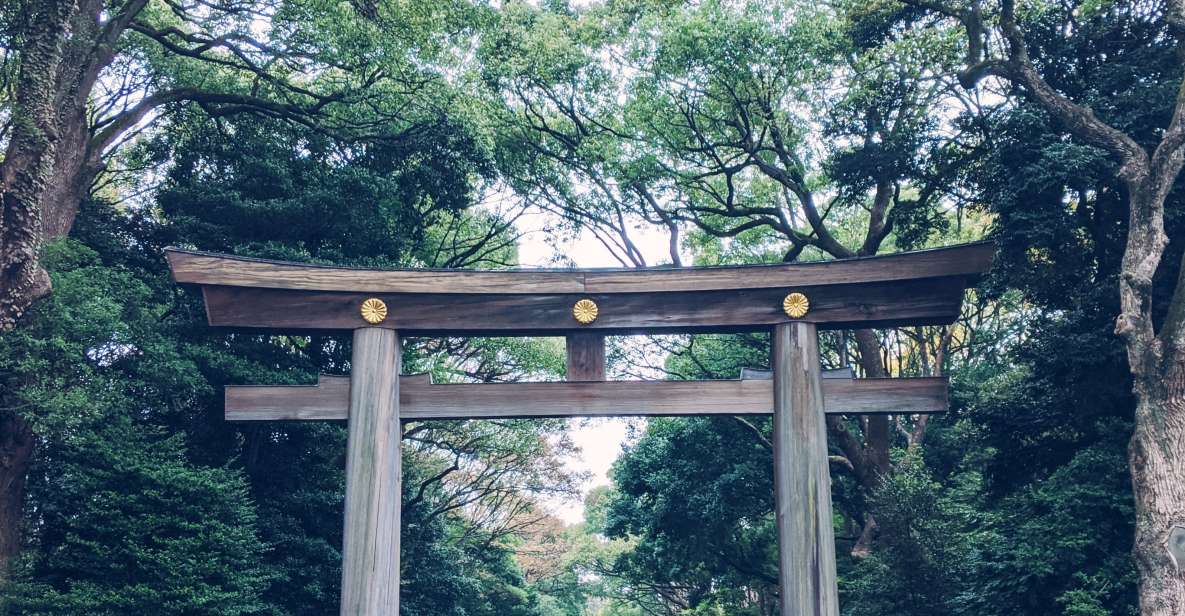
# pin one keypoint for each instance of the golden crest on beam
(374, 311)
(585, 311)
(796, 305)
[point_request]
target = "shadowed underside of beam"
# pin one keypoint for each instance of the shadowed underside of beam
(420, 399)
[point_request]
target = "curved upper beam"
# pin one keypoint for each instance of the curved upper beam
(914, 288)
(217, 269)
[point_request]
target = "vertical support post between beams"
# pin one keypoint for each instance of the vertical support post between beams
(802, 479)
(586, 356)
(370, 544)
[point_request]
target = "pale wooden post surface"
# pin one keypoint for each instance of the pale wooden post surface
(370, 544)
(802, 480)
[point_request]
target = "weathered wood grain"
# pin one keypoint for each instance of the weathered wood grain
(911, 302)
(586, 356)
(370, 544)
(420, 399)
(215, 269)
(962, 260)
(802, 481)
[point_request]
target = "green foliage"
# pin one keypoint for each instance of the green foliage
(134, 527)
(726, 121)
(697, 495)
(145, 499)
(229, 186)
(929, 535)
(717, 118)
(1063, 544)
(126, 522)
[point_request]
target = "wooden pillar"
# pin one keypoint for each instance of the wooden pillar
(802, 480)
(586, 356)
(370, 545)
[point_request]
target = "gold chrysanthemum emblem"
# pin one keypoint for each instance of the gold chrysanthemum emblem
(796, 305)
(585, 311)
(374, 311)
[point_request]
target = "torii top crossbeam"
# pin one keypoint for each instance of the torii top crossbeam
(791, 301)
(914, 288)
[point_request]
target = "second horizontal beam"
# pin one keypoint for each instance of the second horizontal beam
(420, 399)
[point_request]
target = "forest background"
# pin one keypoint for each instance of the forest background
(393, 133)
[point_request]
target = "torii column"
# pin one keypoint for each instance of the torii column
(802, 479)
(370, 543)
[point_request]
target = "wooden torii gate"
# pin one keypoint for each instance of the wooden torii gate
(790, 300)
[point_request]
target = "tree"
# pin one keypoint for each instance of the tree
(118, 324)
(699, 118)
(136, 528)
(80, 80)
(999, 39)
(82, 76)
(696, 497)
(267, 189)
(126, 522)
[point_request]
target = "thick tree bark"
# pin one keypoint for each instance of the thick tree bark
(51, 160)
(77, 158)
(75, 167)
(74, 170)
(16, 454)
(1156, 452)
(28, 162)
(1157, 460)
(26, 175)
(55, 153)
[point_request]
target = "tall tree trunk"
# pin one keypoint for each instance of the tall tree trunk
(29, 160)
(1156, 457)
(16, 454)
(46, 170)
(75, 166)
(77, 159)
(1156, 452)
(52, 158)
(874, 465)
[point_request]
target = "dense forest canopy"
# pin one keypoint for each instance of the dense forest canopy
(398, 133)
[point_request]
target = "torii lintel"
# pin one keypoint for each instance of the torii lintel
(913, 288)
